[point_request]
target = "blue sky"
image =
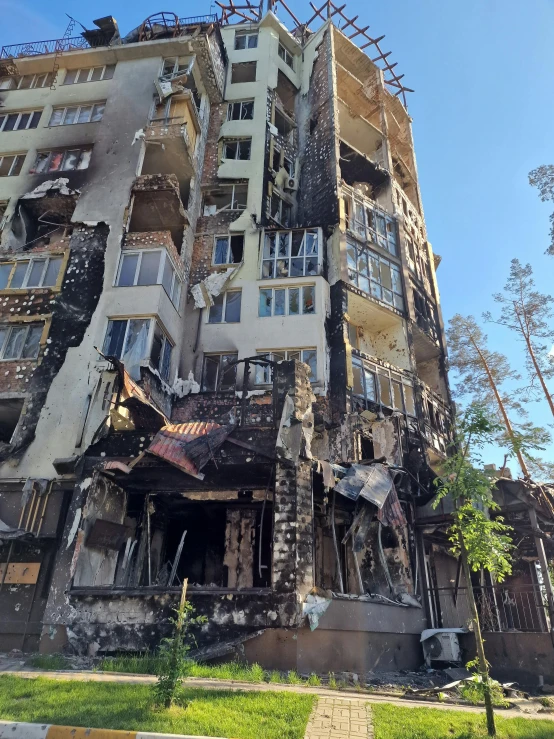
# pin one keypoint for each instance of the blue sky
(483, 107)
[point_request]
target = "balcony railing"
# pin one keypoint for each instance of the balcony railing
(501, 608)
(168, 127)
(437, 420)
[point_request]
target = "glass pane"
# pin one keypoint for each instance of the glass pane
(240, 42)
(19, 274)
(136, 342)
(247, 111)
(82, 75)
(266, 299)
(253, 41)
(409, 400)
(52, 271)
(113, 343)
(231, 148)
(351, 256)
(40, 163)
(294, 355)
(297, 244)
(84, 114)
(3, 335)
(108, 72)
(57, 116)
(387, 296)
(244, 149)
(149, 268)
(280, 302)
(85, 159)
(386, 280)
(11, 121)
(282, 268)
(14, 345)
(283, 244)
(374, 268)
(362, 263)
(70, 159)
(70, 116)
(232, 307)
(5, 271)
(166, 360)
(70, 76)
(397, 395)
(26, 82)
(37, 268)
(221, 249)
(35, 118)
(384, 389)
(176, 296)
(267, 269)
(363, 283)
(396, 282)
(157, 345)
(228, 371)
(216, 310)
(297, 267)
(370, 389)
(308, 299)
(128, 269)
(398, 302)
(98, 112)
(269, 246)
(234, 112)
(311, 242)
(357, 385)
(97, 74)
(209, 378)
(237, 248)
(309, 356)
(32, 343)
(167, 277)
(294, 301)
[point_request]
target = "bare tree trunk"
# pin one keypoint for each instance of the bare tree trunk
(500, 402)
(483, 667)
(538, 370)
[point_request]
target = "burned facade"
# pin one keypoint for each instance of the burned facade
(222, 341)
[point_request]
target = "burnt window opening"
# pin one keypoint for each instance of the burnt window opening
(284, 125)
(219, 372)
(356, 168)
(405, 180)
(228, 249)
(388, 538)
(280, 210)
(286, 93)
(243, 72)
(232, 197)
(10, 411)
(43, 222)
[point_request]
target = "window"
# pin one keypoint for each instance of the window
(290, 254)
(279, 161)
(283, 124)
(286, 56)
(225, 198)
(237, 148)
(243, 72)
(376, 384)
(247, 40)
(173, 66)
(20, 342)
(20, 121)
(77, 114)
(26, 82)
(10, 164)
(374, 274)
(371, 224)
(149, 267)
(241, 111)
(280, 210)
(27, 273)
(89, 74)
(136, 339)
(61, 160)
(226, 307)
(10, 412)
(287, 301)
(228, 249)
(219, 372)
(264, 374)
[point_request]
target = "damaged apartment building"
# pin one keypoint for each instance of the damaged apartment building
(221, 349)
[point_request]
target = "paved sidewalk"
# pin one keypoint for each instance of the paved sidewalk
(336, 718)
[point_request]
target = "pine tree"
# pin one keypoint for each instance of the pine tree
(543, 178)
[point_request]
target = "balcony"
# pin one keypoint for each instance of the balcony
(157, 207)
(426, 328)
(437, 424)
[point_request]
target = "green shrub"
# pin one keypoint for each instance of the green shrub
(473, 691)
(313, 680)
(275, 677)
(48, 662)
(332, 681)
(293, 678)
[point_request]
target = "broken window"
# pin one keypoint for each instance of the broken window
(89, 74)
(28, 273)
(241, 111)
(264, 373)
(150, 267)
(290, 254)
(372, 224)
(243, 72)
(374, 274)
(233, 197)
(62, 160)
(173, 66)
(426, 316)
(226, 307)
(10, 411)
(373, 384)
(246, 40)
(285, 127)
(286, 56)
(228, 249)
(287, 301)
(90, 113)
(11, 164)
(237, 148)
(134, 340)
(280, 210)
(219, 372)
(20, 341)
(26, 82)
(20, 121)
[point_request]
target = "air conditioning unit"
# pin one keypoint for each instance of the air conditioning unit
(292, 183)
(441, 646)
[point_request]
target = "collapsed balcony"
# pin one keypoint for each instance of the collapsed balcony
(157, 206)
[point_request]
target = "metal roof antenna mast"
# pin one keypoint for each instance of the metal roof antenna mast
(60, 48)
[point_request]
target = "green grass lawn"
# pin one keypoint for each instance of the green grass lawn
(394, 722)
(243, 715)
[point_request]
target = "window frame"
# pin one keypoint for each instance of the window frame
(81, 149)
(224, 296)
(228, 236)
(219, 355)
(262, 375)
(282, 202)
(78, 108)
(287, 289)
(276, 258)
(398, 301)
(175, 297)
(27, 327)
(240, 103)
(238, 141)
(367, 229)
(377, 371)
(153, 322)
(47, 77)
(17, 158)
(31, 260)
(246, 35)
(230, 207)
(284, 54)
(77, 71)
(31, 113)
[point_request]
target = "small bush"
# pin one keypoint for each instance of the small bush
(473, 691)
(257, 672)
(546, 702)
(48, 662)
(293, 678)
(275, 677)
(332, 681)
(313, 680)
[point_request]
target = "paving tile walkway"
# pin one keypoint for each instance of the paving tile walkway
(336, 718)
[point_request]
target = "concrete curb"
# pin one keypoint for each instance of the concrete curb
(20, 730)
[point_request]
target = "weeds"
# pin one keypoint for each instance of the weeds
(473, 690)
(275, 677)
(293, 678)
(332, 681)
(49, 662)
(314, 680)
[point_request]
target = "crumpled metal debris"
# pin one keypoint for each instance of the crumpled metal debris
(314, 607)
(372, 482)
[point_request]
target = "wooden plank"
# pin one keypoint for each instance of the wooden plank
(20, 573)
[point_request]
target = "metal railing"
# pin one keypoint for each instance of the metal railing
(36, 48)
(501, 608)
(195, 19)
